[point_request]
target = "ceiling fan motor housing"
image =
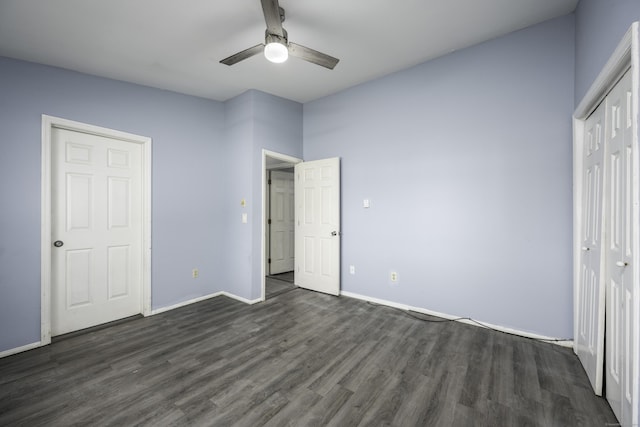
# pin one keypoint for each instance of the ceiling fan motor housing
(274, 38)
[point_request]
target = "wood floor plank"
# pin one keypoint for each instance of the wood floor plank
(298, 359)
(468, 417)
(291, 414)
(324, 411)
(501, 387)
(362, 400)
(479, 346)
(387, 403)
(337, 369)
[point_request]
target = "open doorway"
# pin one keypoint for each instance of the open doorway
(278, 223)
(280, 231)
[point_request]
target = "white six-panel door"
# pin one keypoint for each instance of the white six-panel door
(281, 206)
(317, 218)
(96, 200)
(617, 87)
(630, 326)
(589, 341)
(620, 330)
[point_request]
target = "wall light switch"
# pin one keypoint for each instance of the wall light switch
(244, 218)
(365, 203)
(352, 269)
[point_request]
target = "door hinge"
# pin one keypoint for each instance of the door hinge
(269, 221)
(269, 182)
(269, 261)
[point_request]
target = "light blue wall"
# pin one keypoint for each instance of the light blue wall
(267, 122)
(600, 25)
(238, 179)
(206, 158)
(467, 162)
(278, 128)
(188, 182)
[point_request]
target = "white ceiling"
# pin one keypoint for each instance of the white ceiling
(176, 45)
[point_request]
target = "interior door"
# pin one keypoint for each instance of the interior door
(97, 229)
(281, 206)
(589, 342)
(620, 329)
(628, 272)
(317, 220)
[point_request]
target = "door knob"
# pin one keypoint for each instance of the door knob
(585, 248)
(58, 243)
(622, 264)
(334, 233)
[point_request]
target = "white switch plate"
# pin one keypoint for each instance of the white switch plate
(365, 203)
(393, 277)
(352, 269)
(244, 218)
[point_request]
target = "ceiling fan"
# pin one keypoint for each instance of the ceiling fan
(276, 46)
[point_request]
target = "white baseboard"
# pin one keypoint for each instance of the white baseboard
(20, 349)
(31, 346)
(405, 307)
(183, 303)
(202, 298)
(241, 299)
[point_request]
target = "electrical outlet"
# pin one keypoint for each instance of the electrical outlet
(195, 273)
(352, 269)
(393, 277)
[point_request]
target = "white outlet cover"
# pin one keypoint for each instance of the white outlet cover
(366, 203)
(352, 269)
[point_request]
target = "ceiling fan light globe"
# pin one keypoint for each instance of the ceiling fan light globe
(276, 52)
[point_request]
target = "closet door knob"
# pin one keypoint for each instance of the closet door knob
(622, 264)
(585, 248)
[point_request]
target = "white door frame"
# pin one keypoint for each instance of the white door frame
(48, 123)
(624, 57)
(287, 175)
(286, 159)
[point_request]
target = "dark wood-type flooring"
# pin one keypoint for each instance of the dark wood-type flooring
(300, 358)
(277, 284)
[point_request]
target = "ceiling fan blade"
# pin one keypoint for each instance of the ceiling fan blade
(311, 55)
(240, 56)
(271, 11)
